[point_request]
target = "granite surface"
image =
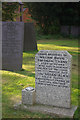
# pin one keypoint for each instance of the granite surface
(12, 45)
(55, 112)
(28, 96)
(29, 37)
(53, 78)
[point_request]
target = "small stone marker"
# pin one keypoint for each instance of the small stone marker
(28, 96)
(12, 45)
(53, 78)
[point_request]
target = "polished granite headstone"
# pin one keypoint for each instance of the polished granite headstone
(12, 45)
(53, 78)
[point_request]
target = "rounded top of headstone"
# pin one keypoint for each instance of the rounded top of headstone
(29, 88)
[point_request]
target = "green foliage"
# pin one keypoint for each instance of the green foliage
(70, 14)
(47, 13)
(44, 14)
(8, 10)
(0, 11)
(56, 37)
(55, 28)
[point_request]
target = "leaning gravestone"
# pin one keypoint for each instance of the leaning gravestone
(53, 78)
(29, 37)
(12, 45)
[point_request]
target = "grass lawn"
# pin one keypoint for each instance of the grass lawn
(14, 82)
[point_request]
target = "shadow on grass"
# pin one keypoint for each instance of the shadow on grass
(25, 72)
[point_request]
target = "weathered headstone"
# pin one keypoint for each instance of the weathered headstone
(71, 30)
(65, 30)
(75, 31)
(12, 45)
(53, 78)
(29, 37)
(28, 96)
(52, 85)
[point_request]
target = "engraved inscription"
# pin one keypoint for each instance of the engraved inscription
(12, 45)
(11, 42)
(53, 69)
(11, 31)
(53, 78)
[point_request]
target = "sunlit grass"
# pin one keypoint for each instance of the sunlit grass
(14, 82)
(55, 47)
(13, 74)
(60, 42)
(74, 96)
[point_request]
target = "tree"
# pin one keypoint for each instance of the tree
(8, 10)
(50, 15)
(70, 14)
(44, 14)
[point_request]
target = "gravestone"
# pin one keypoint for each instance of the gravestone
(71, 30)
(52, 85)
(12, 45)
(75, 31)
(53, 78)
(65, 30)
(29, 37)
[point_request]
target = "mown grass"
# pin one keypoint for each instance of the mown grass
(14, 82)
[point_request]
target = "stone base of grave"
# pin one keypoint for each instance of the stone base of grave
(50, 110)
